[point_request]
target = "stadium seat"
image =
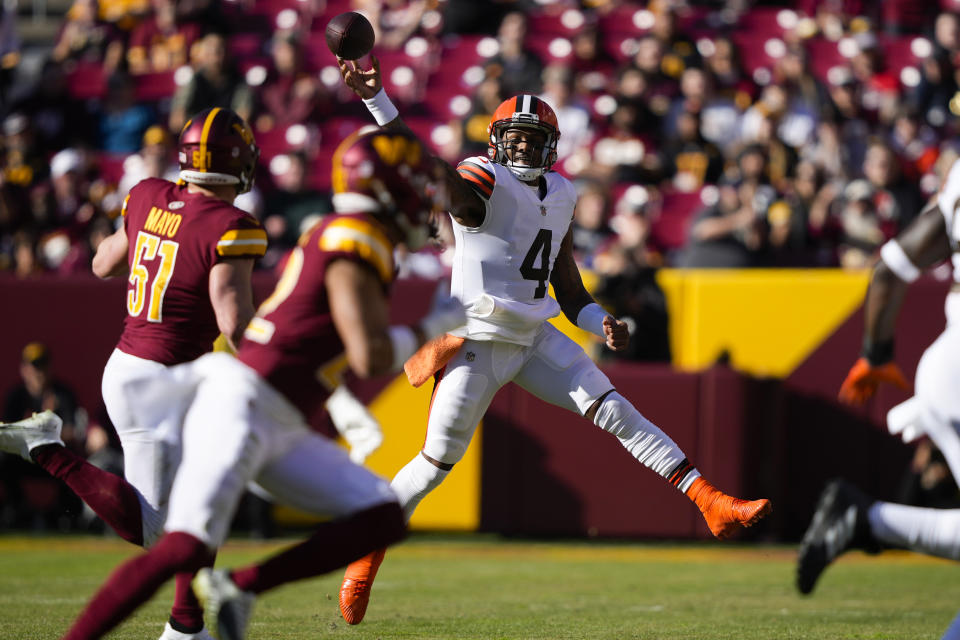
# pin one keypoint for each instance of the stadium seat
(110, 166)
(677, 210)
(151, 87)
(87, 81)
(564, 23)
(824, 55)
(627, 19)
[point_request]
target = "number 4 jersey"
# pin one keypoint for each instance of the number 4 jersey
(501, 270)
(175, 238)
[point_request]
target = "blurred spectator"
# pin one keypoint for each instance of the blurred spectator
(897, 200)
(853, 126)
(394, 21)
(23, 168)
(915, 145)
(291, 93)
(519, 68)
(863, 229)
(573, 117)
(722, 62)
(719, 117)
(156, 159)
(123, 120)
(927, 482)
(40, 391)
(628, 287)
(689, 160)
(162, 41)
(216, 82)
(590, 230)
(9, 51)
(292, 204)
(487, 96)
(58, 118)
(661, 87)
(85, 37)
(727, 233)
(805, 97)
(24, 254)
(810, 198)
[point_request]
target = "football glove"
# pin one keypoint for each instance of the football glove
(862, 381)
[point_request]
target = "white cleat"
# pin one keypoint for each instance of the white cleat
(25, 435)
(224, 602)
(169, 633)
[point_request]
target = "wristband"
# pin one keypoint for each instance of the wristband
(877, 353)
(898, 261)
(404, 342)
(591, 318)
(381, 108)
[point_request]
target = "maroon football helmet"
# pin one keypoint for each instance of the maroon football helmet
(388, 174)
(217, 147)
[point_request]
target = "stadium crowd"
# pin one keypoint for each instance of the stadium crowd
(700, 134)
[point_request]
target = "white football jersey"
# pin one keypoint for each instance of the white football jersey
(501, 269)
(948, 201)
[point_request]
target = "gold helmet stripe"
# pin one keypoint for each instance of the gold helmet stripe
(204, 135)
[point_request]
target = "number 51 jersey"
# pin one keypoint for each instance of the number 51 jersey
(175, 238)
(501, 269)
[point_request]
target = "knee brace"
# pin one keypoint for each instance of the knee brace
(643, 439)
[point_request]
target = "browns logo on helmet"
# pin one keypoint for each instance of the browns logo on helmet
(387, 174)
(524, 112)
(216, 148)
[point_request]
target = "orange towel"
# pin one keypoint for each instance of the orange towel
(431, 357)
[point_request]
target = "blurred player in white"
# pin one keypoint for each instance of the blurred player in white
(845, 518)
(329, 312)
(511, 219)
(188, 254)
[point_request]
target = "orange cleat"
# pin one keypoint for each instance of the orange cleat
(725, 514)
(357, 582)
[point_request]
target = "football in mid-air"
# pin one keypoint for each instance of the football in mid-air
(350, 35)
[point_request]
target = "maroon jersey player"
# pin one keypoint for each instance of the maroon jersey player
(246, 422)
(188, 254)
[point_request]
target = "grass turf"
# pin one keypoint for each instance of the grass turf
(485, 587)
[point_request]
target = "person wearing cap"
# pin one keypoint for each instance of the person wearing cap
(154, 160)
(39, 391)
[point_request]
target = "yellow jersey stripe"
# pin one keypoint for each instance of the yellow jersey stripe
(245, 248)
(244, 234)
(204, 135)
(347, 238)
(123, 209)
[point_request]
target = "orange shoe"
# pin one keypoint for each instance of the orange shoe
(355, 589)
(725, 514)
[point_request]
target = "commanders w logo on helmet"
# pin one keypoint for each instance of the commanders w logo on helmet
(217, 148)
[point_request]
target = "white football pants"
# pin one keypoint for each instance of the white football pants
(935, 410)
(146, 402)
(239, 430)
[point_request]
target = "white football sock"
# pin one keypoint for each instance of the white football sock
(645, 441)
(412, 483)
(932, 531)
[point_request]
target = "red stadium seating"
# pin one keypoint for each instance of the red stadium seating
(151, 87)
(677, 210)
(87, 81)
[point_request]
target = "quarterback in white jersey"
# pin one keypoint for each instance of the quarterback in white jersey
(934, 409)
(511, 218)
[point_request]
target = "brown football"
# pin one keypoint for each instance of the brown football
(349, 35)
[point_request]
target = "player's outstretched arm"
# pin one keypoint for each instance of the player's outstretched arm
(360, 312)
(463, 203)
(111, 257)
(921, 245)
(231, 295)
(578, 305)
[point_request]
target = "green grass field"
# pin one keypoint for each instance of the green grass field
(483, 587)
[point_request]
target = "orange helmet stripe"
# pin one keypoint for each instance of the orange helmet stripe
(207, 124)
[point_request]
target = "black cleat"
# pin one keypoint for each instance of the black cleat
(839, 524)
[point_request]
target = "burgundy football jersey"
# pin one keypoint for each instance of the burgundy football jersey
(175, 238)
(292, 342)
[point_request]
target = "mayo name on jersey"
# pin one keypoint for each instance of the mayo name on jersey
(948, 200)
(292, 342)
(502, 268)
(175, 238)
